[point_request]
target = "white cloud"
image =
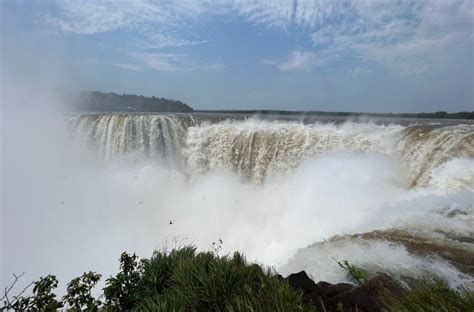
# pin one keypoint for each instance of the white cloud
(409, 36)
(359, 71)
(297, 61)
(158, 41)
(169, 62)
(127, 66)
(277, 13)
(93, 16)
(141, 16)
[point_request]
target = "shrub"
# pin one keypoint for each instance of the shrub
(431, 295)
(357, 275)
(179, 280)
(43, 298)
(185, 280)
(79, 293)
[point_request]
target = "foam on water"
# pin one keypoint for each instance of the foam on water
(260, 149)
(374, 256)
(267, 188)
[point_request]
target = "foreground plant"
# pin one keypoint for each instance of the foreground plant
(185, 280)
(181, 280)
(431, 295)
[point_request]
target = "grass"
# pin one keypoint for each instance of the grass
(424, 295)
(355, 274)
(180, 280)
(186, 280)
(431, 296)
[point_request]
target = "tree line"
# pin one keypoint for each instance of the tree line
(434, 115)
(95, 101)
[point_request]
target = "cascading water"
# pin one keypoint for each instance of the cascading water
(424, 148)
(259, 149)
(119, 136)
(397, 198)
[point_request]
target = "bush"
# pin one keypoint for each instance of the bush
(357, 275)
(181, 280)
(79, 293)
(185, 280)
(43, 299)
(431, 295)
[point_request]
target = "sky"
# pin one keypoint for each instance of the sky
(329, 55)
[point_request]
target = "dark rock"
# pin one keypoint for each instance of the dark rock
(301, 281)
(329, 290)
(383, 284)
(358, 298)
(332, 297)
(315, 299)
(311, 292)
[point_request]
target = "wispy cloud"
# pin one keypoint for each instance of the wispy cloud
(127, 66)
(158, 41)
(93, 16)
(410, 36)
(169, 62)
(297, 61)
(140, 16)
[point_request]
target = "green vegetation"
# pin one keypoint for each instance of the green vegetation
(111, 102)
(95, 101)
(185, 280)
(435, 115)
(425, 294)
(431, 296)
(357, 275)
(181, 280)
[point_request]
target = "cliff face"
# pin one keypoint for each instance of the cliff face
(111, 102)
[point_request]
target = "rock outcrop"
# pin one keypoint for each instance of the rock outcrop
(332, 297)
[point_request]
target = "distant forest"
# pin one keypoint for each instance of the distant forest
(435, 115)
(96, 101)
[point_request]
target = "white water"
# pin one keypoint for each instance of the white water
(259, 149)
(265, 188)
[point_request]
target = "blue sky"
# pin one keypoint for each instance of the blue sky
(351, 55)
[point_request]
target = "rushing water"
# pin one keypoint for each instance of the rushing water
(295, 193)
(390, 197)
(259, 149)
